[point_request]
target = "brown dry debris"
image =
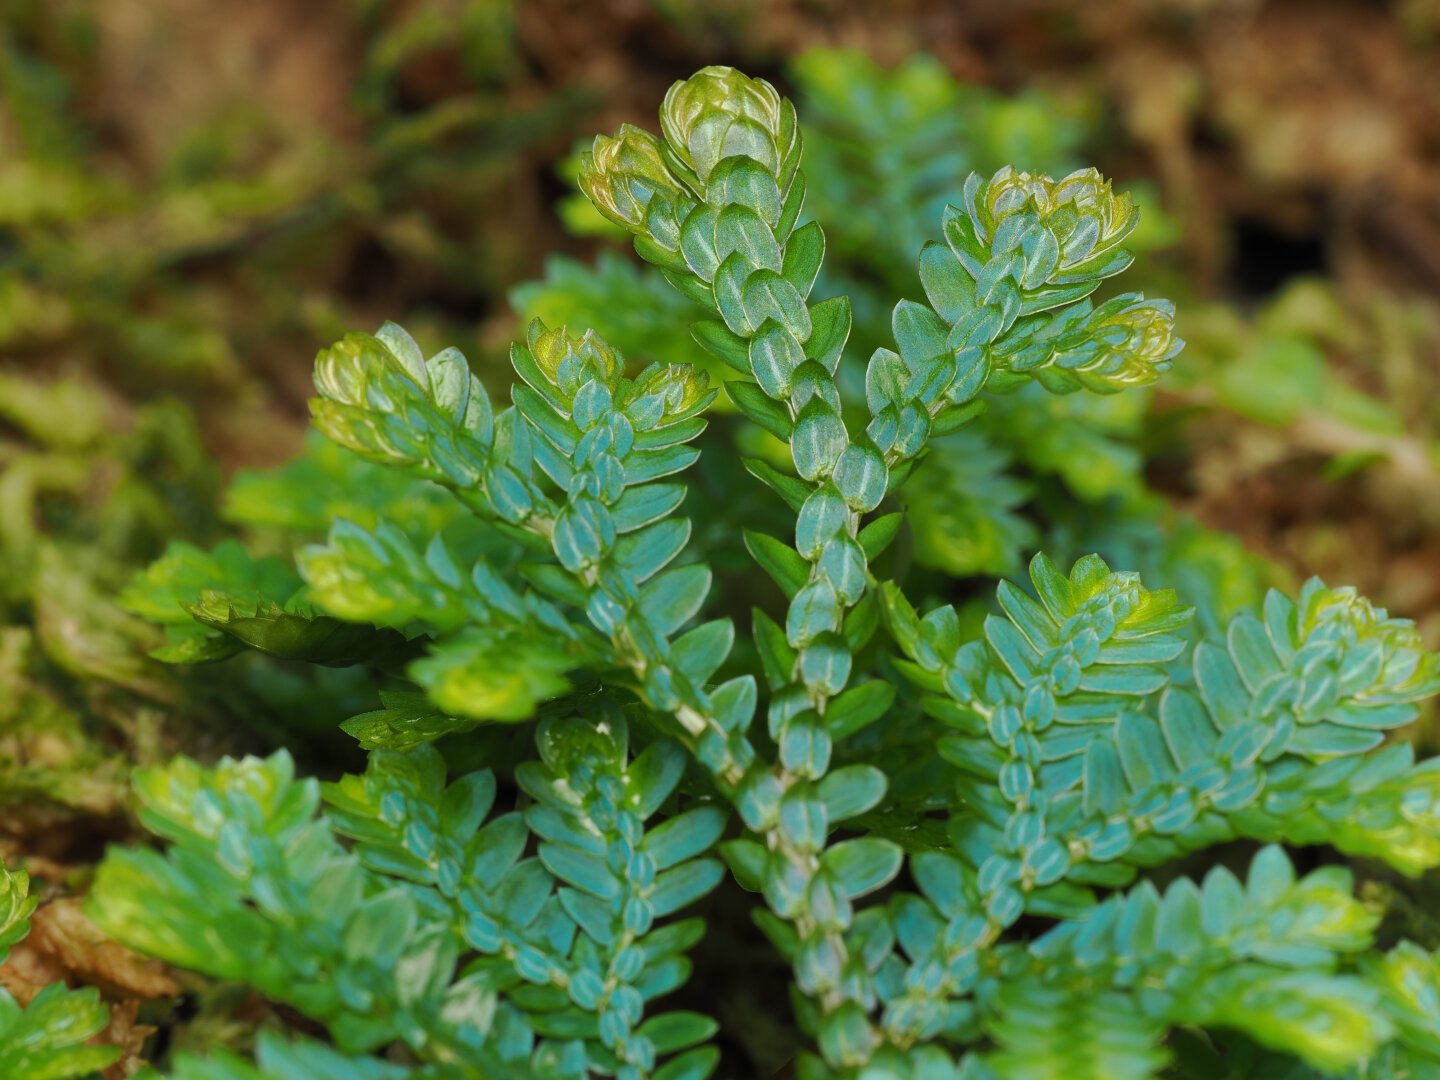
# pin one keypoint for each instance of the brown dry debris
(170, 66)
(64, 944)
(1307, 114)
(129, 1036)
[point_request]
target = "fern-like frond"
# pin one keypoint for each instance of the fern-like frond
(581, 959)
(258, 890)
(1009, 285)
(1258, 956)
(496, 652)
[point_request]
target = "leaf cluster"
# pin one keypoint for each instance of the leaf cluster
(955, 823)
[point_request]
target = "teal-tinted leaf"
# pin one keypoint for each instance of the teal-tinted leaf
(776, 654)
(698, 653)
(1053, 587)
(645, 504)
(645, 552)
(718, 339)
(406, 720)
(695, 1064)
(768, 296)
(1220, 685)
(851, 791)
(499, 845)
(774, 358)
(858, 707)
(875, 537)
(1188, 731)
(804, 252)
(643, 466)
(1250, 649)
(861, 866)
(790, 488)
(675, 889)
(555, 426)
(1222, 902)
(684, 836)
(944, 881)
(1324, 740)
(465, 803)
(1271, 874)
(653, 776)
(586, 872)
(747, 861)
(830, 320)
(948, 287)
(1180, 929)
(403, 348)
(674, 1031)
(861, 476)
(381, 926)
(815, 611)
(751, 401)
(1159, 649)
(674, 597)
(782, 562)
(1143, 754)
(1028, 616)
(920, 334)
(740, 230)
(818, 440)
(1062, 900)
(734, 702)
(1012, 648)
(1105, 788)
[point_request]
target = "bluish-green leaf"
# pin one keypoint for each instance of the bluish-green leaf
(684, 836)
(782, 562)
(751, 401)
(677, 888)
(858, 707)
(851, 791)
(864, 865)
(674, 597)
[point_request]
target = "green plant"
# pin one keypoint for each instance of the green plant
(48, 1038)
(1003, 782)
(105, 216)
(886, 149)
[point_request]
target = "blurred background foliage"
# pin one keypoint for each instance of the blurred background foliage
(195, 196)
